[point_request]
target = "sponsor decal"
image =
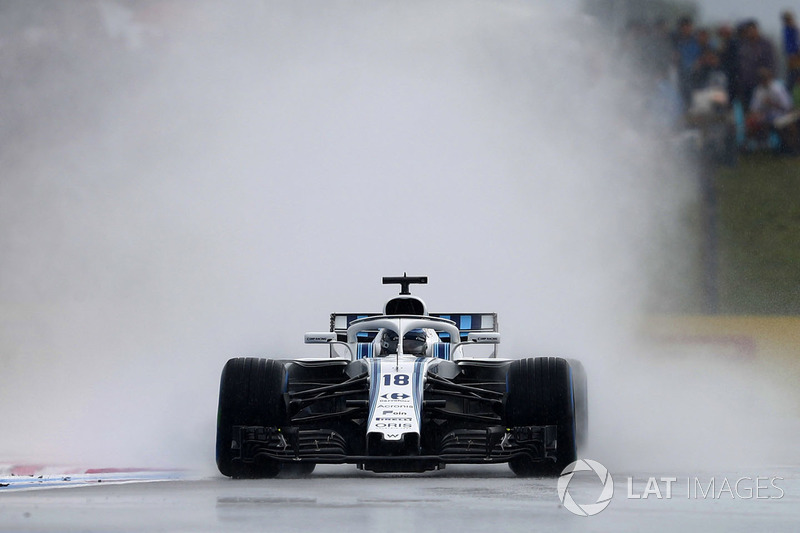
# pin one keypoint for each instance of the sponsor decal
(395, 396)
(396, 389)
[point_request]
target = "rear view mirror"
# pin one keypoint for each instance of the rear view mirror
(329, 338)
(483, 338)
(320, 338)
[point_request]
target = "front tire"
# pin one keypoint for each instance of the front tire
(540, 393)
(297, 470)
(581, 389)
(250, 394)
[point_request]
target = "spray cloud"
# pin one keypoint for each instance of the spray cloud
(216, 185)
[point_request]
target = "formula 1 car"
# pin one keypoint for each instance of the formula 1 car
(398, 394)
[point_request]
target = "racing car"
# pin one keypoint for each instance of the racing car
(399, 392)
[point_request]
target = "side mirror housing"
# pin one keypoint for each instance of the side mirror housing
(477, 337)
(320, 338)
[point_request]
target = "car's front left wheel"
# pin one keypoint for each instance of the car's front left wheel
(540, 393)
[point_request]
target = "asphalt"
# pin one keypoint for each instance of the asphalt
(463, 499)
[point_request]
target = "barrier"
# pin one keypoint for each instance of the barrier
(14, 477)
(771, 342)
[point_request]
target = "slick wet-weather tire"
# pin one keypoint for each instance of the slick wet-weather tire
(581, 389)
(250, 394)
(540, 393)
(297, 470)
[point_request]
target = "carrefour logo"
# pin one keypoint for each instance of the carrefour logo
(585, 509)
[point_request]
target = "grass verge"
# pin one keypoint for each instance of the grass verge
(759, 236)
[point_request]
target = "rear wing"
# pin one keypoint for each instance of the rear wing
(465, 322)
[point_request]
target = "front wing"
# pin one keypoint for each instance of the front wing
(386, 417)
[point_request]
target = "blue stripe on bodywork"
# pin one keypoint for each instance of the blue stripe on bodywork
(374, 385)
(441, 350)
(363, 350)
(419, 366)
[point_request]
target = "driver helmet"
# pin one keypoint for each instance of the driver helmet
(415, 342)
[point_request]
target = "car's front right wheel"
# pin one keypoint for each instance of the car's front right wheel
(250, 394)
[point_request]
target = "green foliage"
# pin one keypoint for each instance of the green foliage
(759, 221)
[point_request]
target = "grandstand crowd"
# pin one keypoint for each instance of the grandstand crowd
(729, 82)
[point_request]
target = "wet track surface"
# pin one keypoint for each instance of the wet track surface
(334, 498)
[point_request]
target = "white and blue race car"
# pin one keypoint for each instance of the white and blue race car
(399, 394)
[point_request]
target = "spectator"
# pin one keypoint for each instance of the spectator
(729, 59)
(771, 103)
(687, 51)
(665, 106)
(709, 112)
(703, 37)
(658, 48)
(791, 48)
(708, 72)
(755, 52)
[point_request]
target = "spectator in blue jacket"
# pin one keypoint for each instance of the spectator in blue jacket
(687, 51)
(791, 49)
